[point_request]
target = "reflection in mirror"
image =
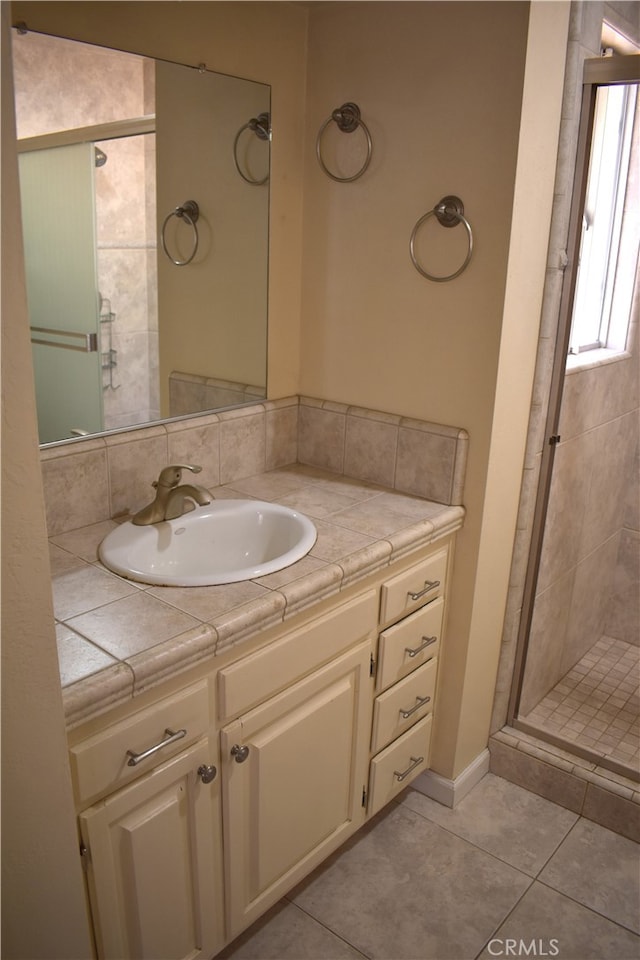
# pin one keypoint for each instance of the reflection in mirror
(112, 148)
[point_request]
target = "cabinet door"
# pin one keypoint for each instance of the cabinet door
(154, 864)
(294, 772)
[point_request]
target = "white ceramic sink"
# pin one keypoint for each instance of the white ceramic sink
(222, 542)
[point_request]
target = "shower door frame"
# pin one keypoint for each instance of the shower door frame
(597, 73)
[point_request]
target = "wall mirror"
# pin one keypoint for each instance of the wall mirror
(145, 203)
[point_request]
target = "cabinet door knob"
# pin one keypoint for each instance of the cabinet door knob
(239, 753)
(207, 772)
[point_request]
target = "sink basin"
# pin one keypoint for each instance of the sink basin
(222, 542)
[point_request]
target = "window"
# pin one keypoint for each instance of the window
(604, 284)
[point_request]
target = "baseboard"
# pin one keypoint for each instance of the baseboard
(451, 792)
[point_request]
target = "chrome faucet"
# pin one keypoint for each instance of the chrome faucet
(171, 500)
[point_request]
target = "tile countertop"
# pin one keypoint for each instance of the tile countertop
(117, 638)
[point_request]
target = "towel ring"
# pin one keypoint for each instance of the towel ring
(348, 119)
(189, 212)
(261, 126)
(449, 213)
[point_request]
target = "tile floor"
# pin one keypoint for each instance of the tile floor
(504, 874)
(596, 705)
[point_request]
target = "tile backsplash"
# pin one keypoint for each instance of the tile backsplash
(101, 478)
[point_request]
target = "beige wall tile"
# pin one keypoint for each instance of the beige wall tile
(567, 507)
(282, 435)
(133, 466)
(547, 635)
(610, 468)
(76, 490)
(425, 464)
(370, 449)
(321, 437)
(623, 610)
(198, 444)
(591, 590)
(242, 445)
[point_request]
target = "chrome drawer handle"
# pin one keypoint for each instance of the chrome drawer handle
(428, 585)
(426, 642)
(415, 762)
(170, 737)
(405, 714)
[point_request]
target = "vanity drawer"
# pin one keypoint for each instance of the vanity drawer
(393, 769)
(404, 703)
(101, 763)
(409, 644)
(260, 675)
(411, 589)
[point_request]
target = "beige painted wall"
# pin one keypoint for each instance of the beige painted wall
(42, 888)
(211, 315)
(444, 118)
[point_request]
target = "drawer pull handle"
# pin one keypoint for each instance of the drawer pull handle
(428, 585)
(415, 762)
(239, 753)
(169, 737)
(405, 714)
(426, 642)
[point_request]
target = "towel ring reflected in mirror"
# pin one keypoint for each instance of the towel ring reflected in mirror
(449, 212)
(348, 119)
(261, 126)
(189, 212)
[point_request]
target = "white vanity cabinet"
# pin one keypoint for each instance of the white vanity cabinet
(152, 877)
(413, 602)
(311, 728)
(152, 848)
(295, 765)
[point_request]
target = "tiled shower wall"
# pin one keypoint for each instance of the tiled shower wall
(590, 532)
(92, 480)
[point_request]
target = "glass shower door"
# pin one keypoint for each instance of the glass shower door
(58, 217)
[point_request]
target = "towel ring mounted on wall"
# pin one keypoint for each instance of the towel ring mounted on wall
(189, 212)
(348, 119)
(449, 213)
(261, 126)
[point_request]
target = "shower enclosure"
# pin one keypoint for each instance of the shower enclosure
(576, 674)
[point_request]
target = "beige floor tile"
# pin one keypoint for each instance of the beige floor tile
(406, 888)
(561, 927)
(599, 869)
(504, 819)
(286, 933)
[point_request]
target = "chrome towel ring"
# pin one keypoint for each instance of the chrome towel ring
(449, 213)
(261, 126)
(348, 119)
(189, 212)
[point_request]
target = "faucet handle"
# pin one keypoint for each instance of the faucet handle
(170, 476)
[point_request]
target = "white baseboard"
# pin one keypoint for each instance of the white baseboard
(451, 792)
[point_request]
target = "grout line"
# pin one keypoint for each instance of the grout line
(505, 918)
(586, 906)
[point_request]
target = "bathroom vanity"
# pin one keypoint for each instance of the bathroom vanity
(224, 740)
(205, 798)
